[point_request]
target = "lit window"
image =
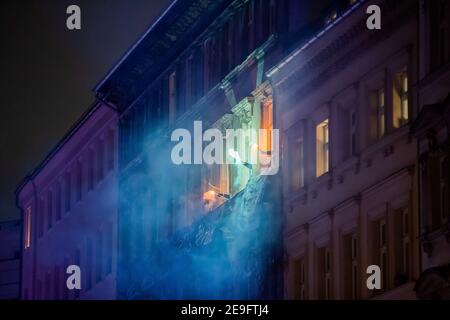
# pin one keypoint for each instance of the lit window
(27, 227)
(218, 186)
(267, 125)
(381, 113)
(322, 148)
(400, 99)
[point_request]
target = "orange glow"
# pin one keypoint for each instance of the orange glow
(267, 124)
(209, 196)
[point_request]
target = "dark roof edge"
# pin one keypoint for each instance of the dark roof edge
(131, 49)
(84, 117)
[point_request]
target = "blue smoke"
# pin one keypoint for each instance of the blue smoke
(228, 253)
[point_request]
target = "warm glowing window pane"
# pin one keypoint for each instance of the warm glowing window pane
(400, 98)
(322, 148)
(267, 124)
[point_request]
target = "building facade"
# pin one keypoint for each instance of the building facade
(202, 61)
(360, 159)
(10, 232)
(69, 213)
(431, 130)
(343, 98)
(346, 97)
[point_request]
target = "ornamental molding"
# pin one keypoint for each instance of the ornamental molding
(263, 92)
(224, 123)
(243, 110)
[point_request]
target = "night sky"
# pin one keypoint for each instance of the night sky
(48, 73)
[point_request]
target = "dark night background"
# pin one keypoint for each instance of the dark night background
(48, 72)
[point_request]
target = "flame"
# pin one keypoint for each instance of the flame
(209, 195)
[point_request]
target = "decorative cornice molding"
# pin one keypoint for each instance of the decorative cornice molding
(243, 109)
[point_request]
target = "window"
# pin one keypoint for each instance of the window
(27, 227)
(402, 245)
(91, 157)
(67, 182)
(109, 249)
(56, 284)
(41, 217)
(218, 186)
(400, 98)
(350, 266)
(405, 242)
(348, 133)
(100, 160)
(65, 290)
(297, 164)
(380, 108)
(327, 274)
(272, 17)
(58, 206)
(230, 45)
(47, 286)
(267, 125)
(300, 279)
(79, 183)
(189, 83)
(322, 148)
(110, 151)
(353, 133)
(172, 97)
(78, 263)
(207, 64)
(99, 257)
(381, 250)
(49, 209)
(435, 190)
(39, 289)
(89, 264)
(444, 195)
(324, 273)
